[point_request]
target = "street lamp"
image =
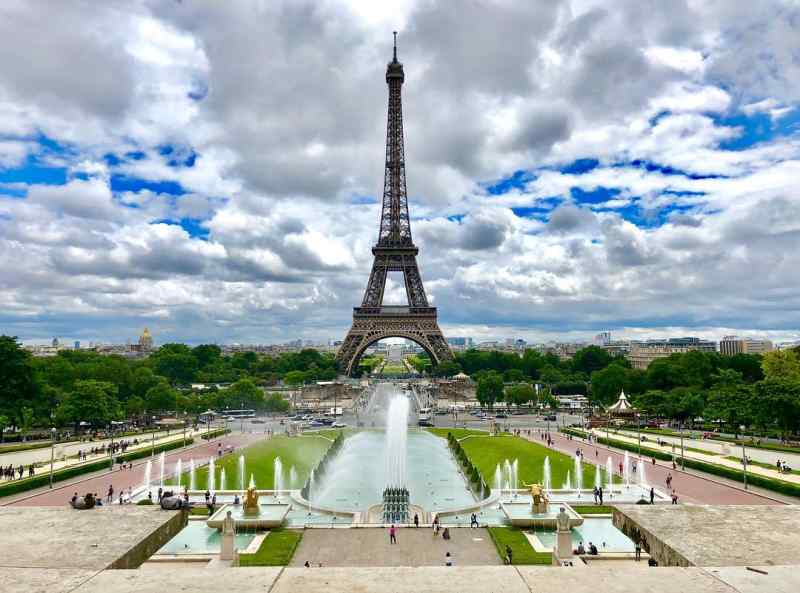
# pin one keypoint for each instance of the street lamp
(683, 465)
(111, 450)
(52, 452)
(153, 445)
(744, 464)
(639, 432)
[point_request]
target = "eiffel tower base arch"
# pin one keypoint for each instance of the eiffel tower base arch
(371, 324)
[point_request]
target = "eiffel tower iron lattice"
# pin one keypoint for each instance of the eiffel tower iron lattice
(394, 252)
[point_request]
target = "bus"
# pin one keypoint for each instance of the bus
(238, 414)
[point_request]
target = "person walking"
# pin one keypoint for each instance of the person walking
(509, 555)
(674, 497)
(416, 520)
(392, 535)
(448, 559)
(473, 521)
(652, 495)
(110, 496)
(638, 550)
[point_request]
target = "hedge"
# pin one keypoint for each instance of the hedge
(472, 473)
(43, 479)
(737, 475)
(215, 433)
(22, 447)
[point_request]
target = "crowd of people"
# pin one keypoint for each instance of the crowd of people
(10, 472)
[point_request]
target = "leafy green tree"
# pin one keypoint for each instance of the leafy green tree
(532, 363)
(590, 359)
(19, 385)
(26, 421)
(490, 388)
(276, 404)
(4, 423)
(176, 363)
(781, 364)
(733, 403)
(143, 380)
(90, 401)
(448, 368)
(513, 376)
(243, 394)
(161, 397)
(134, 407)
(749, 365)
(206, 354)
(294, 378)
(778, 402)
(520, 394)
(607, 384)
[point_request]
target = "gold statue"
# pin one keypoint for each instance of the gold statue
(251, 502)
(539, 500)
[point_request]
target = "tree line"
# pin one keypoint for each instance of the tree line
(83, 386)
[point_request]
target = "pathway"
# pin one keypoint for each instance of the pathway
(123, 479)
(689, 486)
(414, 547)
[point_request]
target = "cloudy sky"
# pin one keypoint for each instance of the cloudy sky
(210, 169)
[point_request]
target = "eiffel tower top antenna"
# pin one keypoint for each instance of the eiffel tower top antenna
(395, 46)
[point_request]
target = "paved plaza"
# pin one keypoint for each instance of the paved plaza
(414, 547)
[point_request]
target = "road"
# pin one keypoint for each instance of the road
(124, 479)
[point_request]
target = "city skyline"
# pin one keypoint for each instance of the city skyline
(622, 170)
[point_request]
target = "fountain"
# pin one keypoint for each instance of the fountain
(642, 478)
(568, 482)
(292, 478)
(161, 470)
(578, 474)
(498, 478)
(610, 476)
(598, 479)
(277, 475)
(252, 481)
(241, 473)
(148, 470)
(211, 481)
(192, 477)
(222, 479)
(546, 477)
(395, 496)
(179, 472)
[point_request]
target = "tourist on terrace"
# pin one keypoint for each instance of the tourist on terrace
(448, 559)
(592, 549)
(110, 496)
(473, 521)
(416, 520)
(652, 495)
(509, 554)
(446, 533)
(580, 551)
(392, 534)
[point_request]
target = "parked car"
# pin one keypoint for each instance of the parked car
(339, 425)
(425, 422)
(501, 415)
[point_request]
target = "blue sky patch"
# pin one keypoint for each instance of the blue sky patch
(123, 183)
(580, 167)
(758, 128)
(516, 181)
(193, 226)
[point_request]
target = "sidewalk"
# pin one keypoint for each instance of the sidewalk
(68, 462)
(706, 458)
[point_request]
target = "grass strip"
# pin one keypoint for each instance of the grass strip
(522, 553)
(277, 549)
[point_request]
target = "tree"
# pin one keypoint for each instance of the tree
(90, 401)
(161, 397)
(591, 359)
(520, 394)
(206, 354)
(26, 421)
(3, 424)
(513, 376)
(19, 386)
(781, 364)
(778, 402)
(244, 393)
(294, 378)
(175, 362)
(143, 380)
(490, 388)
(532, 363)
(607, 384)
(749, 365)
(447, 368)
(275, 403)
(732, 403)
(134, 407)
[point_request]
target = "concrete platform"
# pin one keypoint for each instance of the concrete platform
(414, 547)
(62, 538)
(686, 535)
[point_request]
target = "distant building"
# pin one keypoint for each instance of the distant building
(643, 353)
(77, 344)
(55, 343)
(459, 342)
(602, 338)
(732, 345)
(145, 341)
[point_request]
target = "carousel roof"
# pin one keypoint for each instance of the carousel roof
(622, 406)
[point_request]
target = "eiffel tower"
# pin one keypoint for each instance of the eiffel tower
(394, 252)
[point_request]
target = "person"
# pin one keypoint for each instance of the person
(74, 498)
(160, 493)
(620, 468)
(592, 549)
(600, 494)
(638, 550)
(446, 533)
(669, 479)
(654, 460)
(509, 555)
(97, 500)
(581, 550)
(416, 520)
(110, 497)
(652, 495)
(594, 493)
(652, 562)
(392, 535)
(448, 559)
(674, 497)
(236, 499)
(473, 521)
(307, 565)
(435, 526)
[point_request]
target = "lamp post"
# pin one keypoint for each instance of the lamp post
(184, 431)
(639, 432)
(153, 442)
(683, 465)
(744, 464)
(242, 425)
(111, 451)
(52, 452)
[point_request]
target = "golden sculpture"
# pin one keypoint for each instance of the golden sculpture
(539, 500)
(251, 502)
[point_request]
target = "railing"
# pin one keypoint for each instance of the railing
(396, 310)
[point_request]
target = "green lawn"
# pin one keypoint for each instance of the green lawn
(301, 452)
(277, 549)
(459, 433)
(760, 464)
(593, 509)
(521, 550)
(486, 452)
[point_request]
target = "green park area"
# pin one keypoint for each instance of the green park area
(277, 549)
(521, 550)
(301, 452)
(486, 452)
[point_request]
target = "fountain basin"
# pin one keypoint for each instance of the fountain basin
(520, 514)
(269, 516)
